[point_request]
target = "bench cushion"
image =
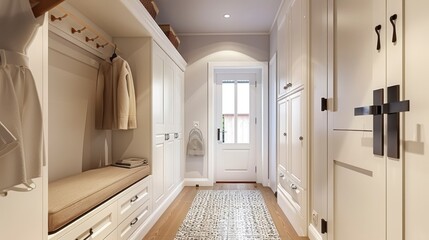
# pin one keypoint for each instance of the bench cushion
(71, 197)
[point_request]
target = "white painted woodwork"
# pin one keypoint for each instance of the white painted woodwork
(158, 169)
(111, 219)
(272, 125)
(377, 181)
(416, 131)
(318, 137)
(292, 107)
(236, 162)
(169, 162)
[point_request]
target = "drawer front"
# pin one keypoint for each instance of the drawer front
(293, 189)
(137, 195)
(97, 227)
(129, 225)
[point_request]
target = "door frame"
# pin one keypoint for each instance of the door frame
(261, 115)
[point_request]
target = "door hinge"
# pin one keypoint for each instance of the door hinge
(324, 226)
(323, 104)
(256, 169)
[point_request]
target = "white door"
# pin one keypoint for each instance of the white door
(235, 127)
(365, 181)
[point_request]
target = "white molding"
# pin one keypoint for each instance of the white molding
(157, 213)
(225, 34)
(262, 174)
(289, 209)
(191, 182)
(313, 234)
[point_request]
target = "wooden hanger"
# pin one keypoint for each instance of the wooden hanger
(41, 6)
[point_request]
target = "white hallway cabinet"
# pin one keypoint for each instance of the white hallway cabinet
(159, 85)
(292, 110)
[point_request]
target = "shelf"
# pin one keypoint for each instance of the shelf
(126, 18)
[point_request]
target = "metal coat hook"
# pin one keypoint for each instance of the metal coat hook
(87, 39)
(74, 30)
(101, 45)
(54, 18)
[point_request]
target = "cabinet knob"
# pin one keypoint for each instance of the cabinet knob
(167, 136)
(293, 186)
(287, 86)
(301, 138)
(284, 134)
(282, 175)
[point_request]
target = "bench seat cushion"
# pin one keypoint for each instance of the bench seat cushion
(71, 197)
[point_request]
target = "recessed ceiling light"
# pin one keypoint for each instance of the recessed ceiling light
(226, 16)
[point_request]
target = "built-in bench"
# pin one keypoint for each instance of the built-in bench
(72, 197)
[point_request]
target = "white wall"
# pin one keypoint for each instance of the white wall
(198, 51)
(75, 145)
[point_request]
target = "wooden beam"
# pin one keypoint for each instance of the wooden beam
(42, 6)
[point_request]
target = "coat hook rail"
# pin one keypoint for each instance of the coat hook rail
(54, 18)
(74, 30)
(89, 28)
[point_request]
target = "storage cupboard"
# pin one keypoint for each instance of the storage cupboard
(292, 107)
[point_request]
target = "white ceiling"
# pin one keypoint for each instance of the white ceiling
(188, 17)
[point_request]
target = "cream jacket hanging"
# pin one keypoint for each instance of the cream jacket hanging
(115, 97)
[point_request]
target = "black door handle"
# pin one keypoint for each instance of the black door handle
(393, 19)
(218, 134)
(377, 30)
(377, 120)
(392, 109)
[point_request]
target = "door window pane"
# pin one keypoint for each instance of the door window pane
(243, 113)
(228, 111)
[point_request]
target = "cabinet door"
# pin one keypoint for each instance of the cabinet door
(282, 50)
(179, 77)
(169, 163)
(169, 91)
(297, 162)
(298, 44)
(282, 134)
(158, 170)
(158, 90)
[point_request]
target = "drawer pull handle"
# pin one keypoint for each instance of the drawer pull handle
(293, 186)
(282, 175)
(90, 234)
(134, 221)
(134, 199)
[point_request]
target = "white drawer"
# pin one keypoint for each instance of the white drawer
(293, 189)
(98, 226)
(129, 225)
(134, 197)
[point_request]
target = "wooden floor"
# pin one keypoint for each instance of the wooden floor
(170, 221)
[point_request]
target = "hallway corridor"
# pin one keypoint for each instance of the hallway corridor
(170, 221)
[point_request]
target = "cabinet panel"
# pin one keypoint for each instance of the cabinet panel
(297, 42)
(178, 154)
(282, 133)
(158, 89)
(179, 78)
(169, 160)
(169, 92)
(296, 163)
(158, 169)
(282, 50)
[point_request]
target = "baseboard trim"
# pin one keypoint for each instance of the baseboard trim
(154, 217)
(192, 182)
(291, 213)
(313, 234)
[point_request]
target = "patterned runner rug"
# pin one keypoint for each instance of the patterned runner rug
(228, 214)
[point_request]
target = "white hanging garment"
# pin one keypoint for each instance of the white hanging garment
(21, 131)
(196, 143)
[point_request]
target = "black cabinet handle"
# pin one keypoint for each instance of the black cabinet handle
(377, 30)
(393, 19)
(323, 104)
(90, 234)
